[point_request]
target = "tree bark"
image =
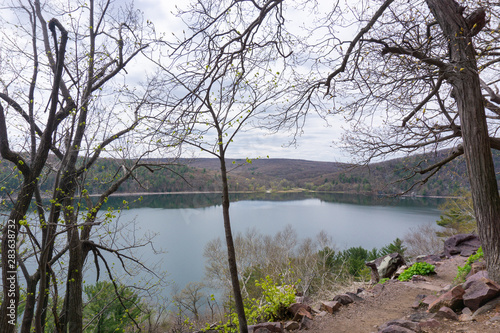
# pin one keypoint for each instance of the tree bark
(231, 253)
(462, 74)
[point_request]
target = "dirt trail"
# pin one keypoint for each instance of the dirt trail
(395, 300)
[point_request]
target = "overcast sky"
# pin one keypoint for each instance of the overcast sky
(316, 142)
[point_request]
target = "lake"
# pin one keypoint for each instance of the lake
(185, 223)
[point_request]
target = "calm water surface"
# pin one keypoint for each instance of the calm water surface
(185, 223)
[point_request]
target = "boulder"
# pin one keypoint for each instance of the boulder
(428, 300)
(410, 325)
(291, 325)
(429, 324)
(300, 310)
(462, 244)
(491, 305)
(386, 266)
(374, 277)
(396, 329)
(478, 266)
(330, 306)
(430, 259)
(474, 277)
(446, 312)
(306, 323)
(479, 292)
(355, 297)
(266, 328)
(343, 299)
(452, 299)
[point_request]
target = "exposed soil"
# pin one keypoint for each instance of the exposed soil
(394, 300)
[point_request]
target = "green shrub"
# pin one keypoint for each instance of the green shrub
(396, 246)
(419, 268)
(462, 272)
(271, 306)
(384, 280)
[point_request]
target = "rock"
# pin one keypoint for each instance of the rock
(322, 314)
(430, 259)
(306, 323)
(467, 311)
(418, 301)
(429, 323)
(411, 325)
(448, 287)
(330, 306)
(266, 328)
(479, 292)
(387, 265)
(474, 277)
(495, 318)
(452, 299)
(419, 316)
(400, 270)
(343, 299)
(478, 266)
(462, 244)
(446, 312)
(396, 329)
(355, 297)
(300, 310)
(464, 317)
(418, 278)
(428, 300)
(487, 307)
(374, 276)
(291, 325)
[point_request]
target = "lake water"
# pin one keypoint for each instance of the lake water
(185, 223)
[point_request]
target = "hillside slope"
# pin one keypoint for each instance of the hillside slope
(202, 175)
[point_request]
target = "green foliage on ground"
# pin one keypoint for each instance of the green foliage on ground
(463, 271)
(269, 265)
(419, 268)
(272, 305)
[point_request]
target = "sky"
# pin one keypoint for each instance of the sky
(316, 141)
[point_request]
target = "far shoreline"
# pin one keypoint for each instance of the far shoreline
(298, 190)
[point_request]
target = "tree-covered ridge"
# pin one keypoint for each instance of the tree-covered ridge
(202, 175)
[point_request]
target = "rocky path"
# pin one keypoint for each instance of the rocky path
(394, 300)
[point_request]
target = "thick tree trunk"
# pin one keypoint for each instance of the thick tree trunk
(231, 253)
(463, 75)
(10, 277)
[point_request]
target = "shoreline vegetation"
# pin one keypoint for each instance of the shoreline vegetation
(297, 190)
(202, 176)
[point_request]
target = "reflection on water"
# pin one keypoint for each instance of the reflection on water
(172, 201)
(186, 222)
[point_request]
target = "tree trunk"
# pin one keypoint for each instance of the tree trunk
(463, 75)
(231, 253)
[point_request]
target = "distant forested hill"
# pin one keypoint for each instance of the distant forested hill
(201, 175)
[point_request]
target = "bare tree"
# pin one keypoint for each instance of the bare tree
(410, 81)
(226, 74)
(63, 84)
